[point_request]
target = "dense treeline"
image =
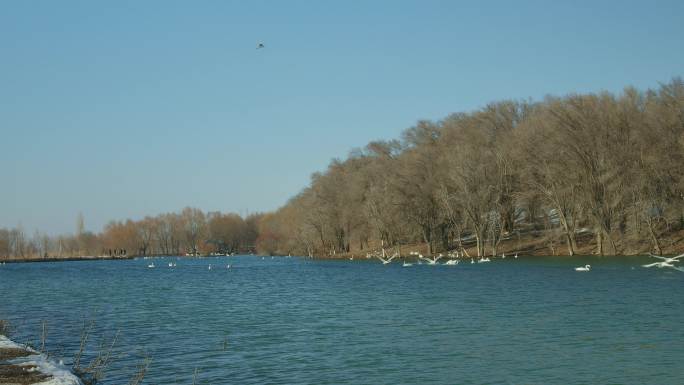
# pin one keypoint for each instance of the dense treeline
(189, 232)
(603, 169)
(606, 167)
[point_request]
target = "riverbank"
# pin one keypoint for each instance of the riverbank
(533, 243)
(22, 365)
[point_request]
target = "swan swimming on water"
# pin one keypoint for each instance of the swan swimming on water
(585, 268)
(151, 265)
(406, 264)
(451, 262)
(483, 260)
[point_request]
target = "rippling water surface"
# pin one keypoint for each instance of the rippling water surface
(291, 320)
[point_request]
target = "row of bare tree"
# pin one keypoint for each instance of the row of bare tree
(190, 231)
(603, 165)
(610, 166)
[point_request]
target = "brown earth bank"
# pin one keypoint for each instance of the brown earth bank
(534, 243)
(20, 375)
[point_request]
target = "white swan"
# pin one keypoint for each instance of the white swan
(483, 260)
(451, 262)
(431, 261)
(585, 268)
(668, 259)
(227, 266)
(385, 261)
(151, 265)
(515, 256)
(209, 267)
(471, 260)
(406, 264)
(503, 255)
(659, 265)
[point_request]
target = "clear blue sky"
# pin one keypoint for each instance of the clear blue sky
(127, 108)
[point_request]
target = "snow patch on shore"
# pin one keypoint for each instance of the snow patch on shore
(6, 343)
(60, 374)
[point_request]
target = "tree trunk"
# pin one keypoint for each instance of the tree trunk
(568, 240)
(599, 242)
(569, 233)
(654, 238)
(445, 237)
(613, 245)
(427, 237)
(458, 236)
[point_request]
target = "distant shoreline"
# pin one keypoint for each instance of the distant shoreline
(64, 259)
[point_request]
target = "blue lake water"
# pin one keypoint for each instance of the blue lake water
(292, 320)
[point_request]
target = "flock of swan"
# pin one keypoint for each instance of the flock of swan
(665, 262)
(174, 264)
(453, 260)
